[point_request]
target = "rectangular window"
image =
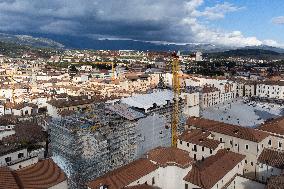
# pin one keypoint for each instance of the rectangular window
(186, 186)
(20, 155)
(247, 146)
(180, 142)
(269, 142)
(279, 144)
(8, 159)
(202, 148)
(221, 139)
(153, 180)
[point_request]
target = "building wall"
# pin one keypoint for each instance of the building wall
(24, 164)
(148, 179)
(238, 169)
(265, 171)
(270, 91)
(152, 132)
(171, 177)
(200, 153)
(244, 183)
(191, 104)
(62, 185)
(13, 156)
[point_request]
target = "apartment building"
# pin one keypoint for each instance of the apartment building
(242, 140)
(16, 157)
(275, 128)
(200, 144)
(54, 107)
(270, 89)
(162, 168)
(18, 109)
(215, 171)
(169, 168)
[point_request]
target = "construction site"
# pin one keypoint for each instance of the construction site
(111, 134)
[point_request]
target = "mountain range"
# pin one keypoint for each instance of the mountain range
(83, 42)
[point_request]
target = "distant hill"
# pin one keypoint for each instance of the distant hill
(29, 41)
(17, 50)
(266, 47)
(248, 53)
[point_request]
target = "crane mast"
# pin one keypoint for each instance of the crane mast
(176, 91)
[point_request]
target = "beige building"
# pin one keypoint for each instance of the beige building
(200, 144)
(245, 141)
(215, 171)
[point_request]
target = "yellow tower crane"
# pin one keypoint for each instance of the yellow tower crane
(176, 91)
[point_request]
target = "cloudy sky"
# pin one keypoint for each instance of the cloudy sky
(229, 22)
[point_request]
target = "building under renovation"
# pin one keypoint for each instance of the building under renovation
(112, 134)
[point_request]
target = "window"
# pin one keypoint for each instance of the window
(246, 161)
(269, 142)
(231, 142)
(153, 180)
(210, 151)
(20, 155)
(180, 142)
(202, 148)
(187, 144)
(247, 146)
(186, 186)
(202, 158)
(251, 163)
(279, 145)
(221, 139)
(8, 159)
(194, 156)
(195, 148)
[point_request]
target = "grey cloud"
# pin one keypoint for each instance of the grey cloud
(174, 21)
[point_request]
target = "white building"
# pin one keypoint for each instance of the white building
(270, 89)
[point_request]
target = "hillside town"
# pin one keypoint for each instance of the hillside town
(86, 119)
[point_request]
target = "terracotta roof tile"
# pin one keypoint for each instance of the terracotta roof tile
(124, 175)
(170, 156)
(273, 158)
(141, 186)
(43, 174)
(199, 137)
(275, 126)
(228, 129)
(7, 180)
(275, 182)
(207, 173)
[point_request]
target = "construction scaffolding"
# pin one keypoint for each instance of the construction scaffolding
(91, 143)
(84, 150)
